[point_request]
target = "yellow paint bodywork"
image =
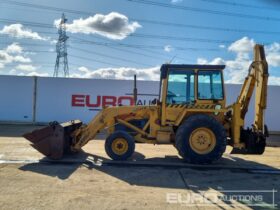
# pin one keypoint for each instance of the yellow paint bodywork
(163, 118)
(257, 80)
(202, 140)
(119, 146)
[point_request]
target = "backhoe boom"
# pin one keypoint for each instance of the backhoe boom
(251, 140)
(257, 79)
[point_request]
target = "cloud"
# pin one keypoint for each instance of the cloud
(273, 54)
(6, 58)
(222, 46)
(274, 47)
(27, 70)
(124, 73)
(243, 45)
(23, 67)
(18, 31)
(113, 25)
(13, 72)
(218, 61)
(215, 61)
(274, 80)
(14, 48)
(273, 59)
(237, 68)
(168, 48)
(31, 74)
(12, 53)
(202, 61)
(21, 59)
(34, 73)
(176, 1)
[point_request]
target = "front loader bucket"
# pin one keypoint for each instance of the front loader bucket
(54, 140)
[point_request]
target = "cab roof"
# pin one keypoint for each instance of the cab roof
(164, 68)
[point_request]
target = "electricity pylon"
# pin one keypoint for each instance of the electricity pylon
(61, 49)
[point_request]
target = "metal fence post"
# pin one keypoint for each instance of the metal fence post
(34, 108)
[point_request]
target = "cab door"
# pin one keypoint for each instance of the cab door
(180, 92)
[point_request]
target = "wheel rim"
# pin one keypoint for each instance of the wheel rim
(119, 146)
(202, 140)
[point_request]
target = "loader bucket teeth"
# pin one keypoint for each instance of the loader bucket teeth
(54, 140)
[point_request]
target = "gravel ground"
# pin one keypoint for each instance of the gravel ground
(155, 178)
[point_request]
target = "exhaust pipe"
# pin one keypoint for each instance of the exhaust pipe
(54, 140)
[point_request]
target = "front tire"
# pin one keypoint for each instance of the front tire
(119, 145)
(201, 139)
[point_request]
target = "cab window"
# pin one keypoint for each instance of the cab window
(180, 87)
(210, 85)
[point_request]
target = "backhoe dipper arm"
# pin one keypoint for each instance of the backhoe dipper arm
(257, 79)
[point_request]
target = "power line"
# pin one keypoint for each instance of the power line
(37, 6)
(74, 56)
(163, 23)
(28, 23)
(148, 2)
(105, 55)
(95, 60)
(175, 38)
(159, 22)
(230, 3)
(145, 48)
(84, 41)
(152, 36)
(186, 39)
(201, 10)
(200, 27)
(153, 56)
(109, 56)
(43, 63)
(27, 44)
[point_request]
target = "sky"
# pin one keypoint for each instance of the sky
(115, 39)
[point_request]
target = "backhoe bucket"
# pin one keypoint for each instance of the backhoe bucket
(54, 140)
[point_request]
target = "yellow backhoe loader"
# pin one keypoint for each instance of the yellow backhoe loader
(190, 113)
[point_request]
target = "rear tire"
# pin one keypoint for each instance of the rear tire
(255, 144)
(201, 139)
(119, 145)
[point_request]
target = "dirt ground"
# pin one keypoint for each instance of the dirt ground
(154, 178)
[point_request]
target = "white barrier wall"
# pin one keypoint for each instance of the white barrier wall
(64, 99)
(272, 114)
(16, 98)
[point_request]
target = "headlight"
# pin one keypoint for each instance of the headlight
(217, 107)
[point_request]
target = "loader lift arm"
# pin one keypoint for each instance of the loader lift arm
(257, 79)
(56, 139)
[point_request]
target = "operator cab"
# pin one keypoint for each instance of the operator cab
(187, 84)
